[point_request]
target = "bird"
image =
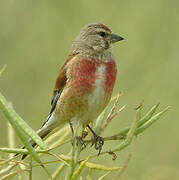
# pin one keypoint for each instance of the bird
(85, 82)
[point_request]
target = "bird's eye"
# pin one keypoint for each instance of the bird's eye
(102, 34)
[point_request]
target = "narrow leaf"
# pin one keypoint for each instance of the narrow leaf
(16, 121)
(130, 133)
(142, 120)
(13, 119)
(151, 121)
(101, 167)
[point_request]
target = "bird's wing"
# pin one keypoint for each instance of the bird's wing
(59, 85)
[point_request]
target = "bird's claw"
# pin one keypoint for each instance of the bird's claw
(79, 139)
(98, 142)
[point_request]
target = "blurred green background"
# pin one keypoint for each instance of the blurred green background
(35, 38)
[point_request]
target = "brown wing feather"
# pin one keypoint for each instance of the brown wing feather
(61, 79)
(59, 85)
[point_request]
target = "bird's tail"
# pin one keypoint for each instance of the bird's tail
(42, 132)
(50, 124)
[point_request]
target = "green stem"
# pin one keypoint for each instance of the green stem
(76, 149)
(21, 151)
(130, 134)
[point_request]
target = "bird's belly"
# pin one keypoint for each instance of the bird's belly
(98, 98)
(86, 94)
(96, 103)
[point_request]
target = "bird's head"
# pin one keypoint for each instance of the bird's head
(95, 38)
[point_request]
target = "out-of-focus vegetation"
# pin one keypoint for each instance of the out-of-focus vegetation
(35, 38)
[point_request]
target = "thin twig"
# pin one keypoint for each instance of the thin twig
(7, 169)
(10, 175)
(110, 115)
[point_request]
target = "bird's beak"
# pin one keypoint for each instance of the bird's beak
(115, 38)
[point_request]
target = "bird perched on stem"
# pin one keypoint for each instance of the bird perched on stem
(85, 82)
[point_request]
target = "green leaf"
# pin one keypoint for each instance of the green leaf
(100, 121)
(20, 127)
(18, 123)
(150, 121)
(141, 121)
(130, 133)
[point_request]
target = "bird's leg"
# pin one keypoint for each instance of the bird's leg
(98, 141)
(84, 134)
(79, 139)
(72, 132)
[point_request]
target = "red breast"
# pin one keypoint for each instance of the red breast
(85, 72)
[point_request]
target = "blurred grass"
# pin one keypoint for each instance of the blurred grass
(36, 36)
